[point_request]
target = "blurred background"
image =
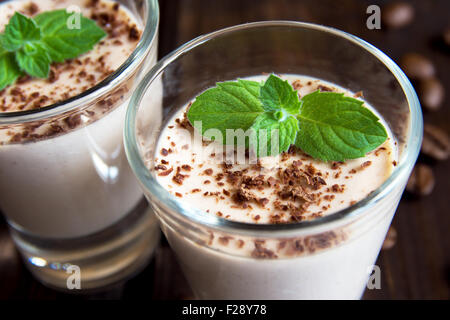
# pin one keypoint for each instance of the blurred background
(415, 260)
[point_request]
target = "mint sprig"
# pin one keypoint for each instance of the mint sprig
(30, 45)
(326, 125)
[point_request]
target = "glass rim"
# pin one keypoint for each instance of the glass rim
(113, 80)
(194, 215)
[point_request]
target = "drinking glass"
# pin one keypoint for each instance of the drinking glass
(330, 257)
(72, 203)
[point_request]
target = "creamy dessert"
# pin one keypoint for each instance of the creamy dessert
(73, 173)
(65, 176)
(281, 189)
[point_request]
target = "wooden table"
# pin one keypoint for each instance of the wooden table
(417, 267)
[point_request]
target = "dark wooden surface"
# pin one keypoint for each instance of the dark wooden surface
(417, 267)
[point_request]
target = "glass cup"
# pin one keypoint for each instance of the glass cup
(330, 257)
(72, 203)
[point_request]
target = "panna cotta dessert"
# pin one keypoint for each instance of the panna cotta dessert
(278, 160)
(63, 173)
(279, 189)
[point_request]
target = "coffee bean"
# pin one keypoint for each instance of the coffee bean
(398, 14)
(416, 66)
(431, 93)
(446, 37)
(421, 181)
(390, 240)
(436, 142)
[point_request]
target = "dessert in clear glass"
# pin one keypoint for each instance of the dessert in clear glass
(281, 227)
(66, 189)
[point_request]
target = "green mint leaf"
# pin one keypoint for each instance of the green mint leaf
(19, 31)
(334, 127)
(272, 136)
(65, 41)
(229, 105)
(278, 94)
(10, 71)
(34, 60)
(31, 45)
(328, 126)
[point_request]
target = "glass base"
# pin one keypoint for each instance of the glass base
(93, 262)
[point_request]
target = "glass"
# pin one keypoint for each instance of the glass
(68, 195)
(329, 257)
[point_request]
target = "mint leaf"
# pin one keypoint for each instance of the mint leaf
(278, 94)
(34, 60)
(10, 71)
(229, 105)
(335, 127)
(63, 42)
(19, 31)
(273, 136)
